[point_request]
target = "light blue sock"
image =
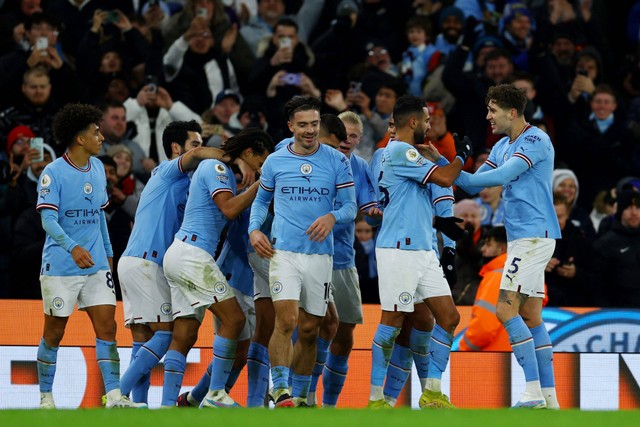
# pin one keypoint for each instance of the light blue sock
(280, 377)
(544, 355)
(419, 343)
(201, 389)
(47, 357)
(398, 371)
(381, 350)
(301, 385)
(321, 358)
(146, 358)
(440, 349)
(109, 363)
(233, 377)
(140, 390)
(174, 365)
(224, 353)
(258, 374)
(523, 347)
(333, 378)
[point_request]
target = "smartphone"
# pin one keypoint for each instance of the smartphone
(152, 82)
(202, 12)
(292, 79)
(582, 72)
(285, 42)
(112, 16)
(42, 43)
(355, 87)
(38, 144)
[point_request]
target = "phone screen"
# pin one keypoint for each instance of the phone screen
(38, 144)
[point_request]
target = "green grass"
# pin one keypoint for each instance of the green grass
(316, 418)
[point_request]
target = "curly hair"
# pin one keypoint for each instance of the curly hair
(507, 96)
(73, 119)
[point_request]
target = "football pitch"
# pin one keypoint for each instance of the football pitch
(316, 417)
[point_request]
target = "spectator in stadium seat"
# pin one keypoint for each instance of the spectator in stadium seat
(618, 254)
(569, 273)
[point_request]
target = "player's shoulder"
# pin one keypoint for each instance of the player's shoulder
(96, 163)
(401, 152)
(358, 161)
(282, 144)
(535, 136)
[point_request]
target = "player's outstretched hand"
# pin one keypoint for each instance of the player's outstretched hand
(261, 244)
(449, 226)
(448, 262)
(82, 257)
(321, 227)
(463, 147)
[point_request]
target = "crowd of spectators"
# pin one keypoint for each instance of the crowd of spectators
(232, 64)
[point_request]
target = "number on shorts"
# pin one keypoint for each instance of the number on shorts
(109, 280)
(514, 265)
(327, 289)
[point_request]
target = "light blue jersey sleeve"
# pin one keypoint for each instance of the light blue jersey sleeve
(491, 178)
(260, 205)
(345, 193)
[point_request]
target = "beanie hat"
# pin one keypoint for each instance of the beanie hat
(17, 133)
(560, 175)
(625, 199)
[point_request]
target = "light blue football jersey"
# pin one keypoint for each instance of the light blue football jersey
(283, 143)
(408, 212)
(344, 234)
(528, 199)
(160, 212)
(233, 261)
(441, 198)
(304, 188)
(79, 196)
(203, 221)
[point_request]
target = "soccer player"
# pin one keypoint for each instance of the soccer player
(145, 291)
(408, 268)
(77, 255)
(195, 280)
(522, 162)
(412, 343)
(345, 303)
(307, 181)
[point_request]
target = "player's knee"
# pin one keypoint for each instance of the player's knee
(286, 322)
(450, 321)
(237, 321)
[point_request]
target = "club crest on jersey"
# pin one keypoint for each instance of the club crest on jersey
(45, 181)
(58, 303)
(505, 157)
(412, 155)
(405, 298)
(88, 188)
(220, 169)
(306, 168)
(276, 288)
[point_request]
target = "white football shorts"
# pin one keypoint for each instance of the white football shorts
(146, 295)
(196, 281)
(305, 278)
(524, 269)
(61, 293)
(408, 277)
(345, 289)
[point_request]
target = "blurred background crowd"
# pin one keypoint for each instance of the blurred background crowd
(232, 64)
